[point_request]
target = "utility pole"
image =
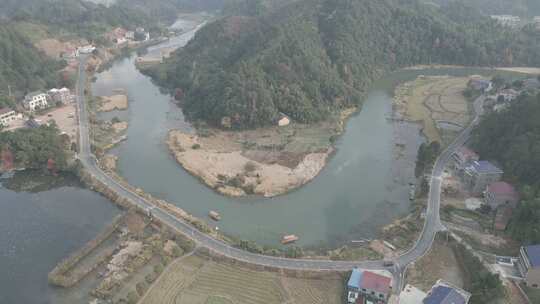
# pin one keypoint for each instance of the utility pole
(9, 90)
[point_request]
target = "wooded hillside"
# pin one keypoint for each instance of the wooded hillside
(312, 57)
(22, 66)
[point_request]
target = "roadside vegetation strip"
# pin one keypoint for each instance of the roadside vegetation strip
(59, 275)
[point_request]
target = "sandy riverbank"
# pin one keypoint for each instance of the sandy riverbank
(114, 102)
(267, 161)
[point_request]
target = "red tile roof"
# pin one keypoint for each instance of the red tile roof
(501, 188)
(468, 153)
(376, 282)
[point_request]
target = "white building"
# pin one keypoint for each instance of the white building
(283, 120)
(36, 100)
(8, 115)
(87, 49)
(507, 20)
(509, 94)
(130, 35)
(62, 95)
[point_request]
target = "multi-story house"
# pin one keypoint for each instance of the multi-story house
(368, 287)
(62, 95)
(507, 20)
(529, 265)
(463, 157)
(7, 115)
(479, 174)
(36, 100)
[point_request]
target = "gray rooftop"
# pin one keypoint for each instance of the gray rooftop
(533, 253)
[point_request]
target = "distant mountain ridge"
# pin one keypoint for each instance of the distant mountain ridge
(310, 58)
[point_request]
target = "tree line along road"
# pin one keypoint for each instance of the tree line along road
(431, 226)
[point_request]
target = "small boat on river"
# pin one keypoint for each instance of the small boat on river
(291, 238)
(214, 215)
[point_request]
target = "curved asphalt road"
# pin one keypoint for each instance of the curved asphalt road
(431, 226)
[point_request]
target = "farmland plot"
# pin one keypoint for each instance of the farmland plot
(194, 280)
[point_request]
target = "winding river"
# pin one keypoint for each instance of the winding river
(364, 186)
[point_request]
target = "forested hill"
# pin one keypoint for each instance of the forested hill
(312, 57)
(167, 10)
(21, 65)
(77, 17)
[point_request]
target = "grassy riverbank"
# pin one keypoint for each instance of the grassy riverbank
(437, 103)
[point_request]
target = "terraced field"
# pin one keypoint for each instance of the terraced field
(314, 291)
(240, 285)
(171, 283)
(194, 280)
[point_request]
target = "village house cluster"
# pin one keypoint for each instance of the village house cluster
(33, 102)
(483, 178)
(499, 99)
(516, 21)
(367, 287)
(41, 100)
(121, 36)
(507, 20)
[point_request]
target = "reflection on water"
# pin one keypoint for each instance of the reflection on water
(37, 230)
(35, 181)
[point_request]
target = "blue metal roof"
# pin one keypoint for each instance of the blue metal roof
(533, 253)
(354, 280)
(437, 295)
(484, 166)
(444, 295)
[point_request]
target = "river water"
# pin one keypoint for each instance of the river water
(362, 188)
(39, 229)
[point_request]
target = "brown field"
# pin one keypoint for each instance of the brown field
(195, 280)
(64, 117)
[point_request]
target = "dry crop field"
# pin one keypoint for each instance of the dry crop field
(195, 280)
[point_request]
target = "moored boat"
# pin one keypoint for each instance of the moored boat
(214, 215)
(287, 239)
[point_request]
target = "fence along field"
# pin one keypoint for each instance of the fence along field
(195, 280)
